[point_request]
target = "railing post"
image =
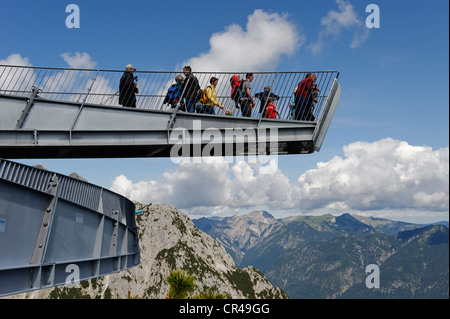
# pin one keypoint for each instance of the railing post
(34, 93)
(81, 106)
(173, 116)
(90, 88)
(172, 119)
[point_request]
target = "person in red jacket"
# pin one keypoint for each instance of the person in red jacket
(304, 97)
(271, 110)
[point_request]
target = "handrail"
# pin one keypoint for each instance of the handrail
(100, 87)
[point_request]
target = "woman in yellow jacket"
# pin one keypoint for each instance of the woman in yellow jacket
(212, 97)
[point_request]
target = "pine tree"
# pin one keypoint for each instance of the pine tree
(180, 284)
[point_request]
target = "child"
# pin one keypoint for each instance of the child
(271, 110)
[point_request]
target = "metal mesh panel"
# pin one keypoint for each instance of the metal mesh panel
(102, 86)
(25, 175)
(79, 192)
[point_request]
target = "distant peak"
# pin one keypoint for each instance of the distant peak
(262, 213)
(435, 234)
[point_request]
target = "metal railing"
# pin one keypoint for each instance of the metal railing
(101, 87)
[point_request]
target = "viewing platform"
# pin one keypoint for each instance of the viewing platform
(75, 113)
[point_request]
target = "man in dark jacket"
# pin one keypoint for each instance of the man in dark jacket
(128, 88)
(191, 89)
(264, 96)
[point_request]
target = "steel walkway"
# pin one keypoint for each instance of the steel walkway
(70, 113)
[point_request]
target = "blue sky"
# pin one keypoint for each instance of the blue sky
(393, 109)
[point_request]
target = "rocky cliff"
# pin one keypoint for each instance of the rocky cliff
(169, 241)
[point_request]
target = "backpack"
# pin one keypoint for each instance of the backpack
(236, 89)
(204, 99)
(173, 94)
(271, 111)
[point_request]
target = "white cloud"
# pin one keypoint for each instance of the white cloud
(211, 184)
(16, 59)
(11, 80)
(383, 175)
(360, 36)
(140, 191)
(346, 17)
(260, 46)
(333, 24)
(79, 60)
(266, 38)
(74, 60)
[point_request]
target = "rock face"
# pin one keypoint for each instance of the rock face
(169, 241)
(239, 234)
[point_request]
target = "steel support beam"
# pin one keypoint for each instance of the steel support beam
(101, 132)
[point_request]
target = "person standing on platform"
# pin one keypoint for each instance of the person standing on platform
(128, 87)
(211, 95)
(248, 102)
(191, 89)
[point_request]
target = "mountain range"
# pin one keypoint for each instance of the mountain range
(257, 256)
(326, 256)
(169, 241)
